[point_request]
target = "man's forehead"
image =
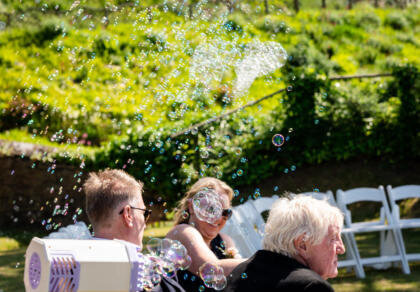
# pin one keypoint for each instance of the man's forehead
(334, 229)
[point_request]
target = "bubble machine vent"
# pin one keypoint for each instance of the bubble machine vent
(35, 270)
(64, 273)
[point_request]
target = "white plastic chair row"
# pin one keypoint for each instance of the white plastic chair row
(248, 217)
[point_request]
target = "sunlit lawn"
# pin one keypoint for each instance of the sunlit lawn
(12, 264)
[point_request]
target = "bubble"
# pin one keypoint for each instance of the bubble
(207, 206)
(289, 88)
(293, 168)
(316, 190)
(201, 288)
(278, 140)
(244, 276)
(154, 246)
(204, 154)
(276, 188)
(213, 276)
(240, 172)
(185, 215)
(257, 194)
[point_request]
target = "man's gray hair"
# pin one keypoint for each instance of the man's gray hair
(294, 216)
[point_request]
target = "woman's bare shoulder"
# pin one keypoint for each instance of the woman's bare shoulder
(182, 230)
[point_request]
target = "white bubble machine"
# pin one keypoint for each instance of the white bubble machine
(69, 265)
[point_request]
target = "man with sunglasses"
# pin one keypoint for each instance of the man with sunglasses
(116, 210)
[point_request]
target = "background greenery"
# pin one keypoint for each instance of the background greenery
(109, 83)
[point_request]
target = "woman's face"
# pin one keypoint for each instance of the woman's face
(208, 230)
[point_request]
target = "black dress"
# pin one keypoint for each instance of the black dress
(269, 271)
(192, 282)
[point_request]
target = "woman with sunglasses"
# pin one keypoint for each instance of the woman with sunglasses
(203, 240)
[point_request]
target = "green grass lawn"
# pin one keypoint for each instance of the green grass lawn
(12, 265)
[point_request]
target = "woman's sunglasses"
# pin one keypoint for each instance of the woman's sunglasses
(227, 213)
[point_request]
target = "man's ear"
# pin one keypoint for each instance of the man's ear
(127, 218)
(301, 245)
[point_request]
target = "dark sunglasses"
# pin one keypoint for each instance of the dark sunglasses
(227, 213)
(147, 212)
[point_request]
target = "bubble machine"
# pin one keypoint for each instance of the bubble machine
(69, 265)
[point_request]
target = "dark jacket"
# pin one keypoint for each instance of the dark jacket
(270, 271)
(168, 285)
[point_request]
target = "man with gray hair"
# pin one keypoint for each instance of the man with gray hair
(115, 207)
(300, 248)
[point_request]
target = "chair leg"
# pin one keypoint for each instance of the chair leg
(354, 254)
(401, 249)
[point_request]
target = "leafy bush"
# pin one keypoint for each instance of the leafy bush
(397, 21)
(272, 24)
(48, 31)
(367, 56)
(368, 20)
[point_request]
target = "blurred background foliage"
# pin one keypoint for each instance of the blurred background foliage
(109, 84)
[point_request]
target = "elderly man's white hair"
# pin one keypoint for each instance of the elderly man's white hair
(291, 217)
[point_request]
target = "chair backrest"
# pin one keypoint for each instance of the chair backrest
(348, 197)
(239, 230)
(328, 196)
(264, 203)
(403, 192)
(246, 226)
(261, 205)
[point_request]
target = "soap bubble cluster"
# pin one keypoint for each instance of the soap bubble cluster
(78, 230)
(260, 58)
(213, 276)
(165, 258)
(168, 255)
(207, 205)
(213, 60)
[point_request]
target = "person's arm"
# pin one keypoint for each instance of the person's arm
(197, 249)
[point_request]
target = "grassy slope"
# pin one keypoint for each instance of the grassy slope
(111, 80)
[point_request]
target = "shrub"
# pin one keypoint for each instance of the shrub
(272, 24)
(396, 21)
(367, 56)
(47, 31)
(368, 20)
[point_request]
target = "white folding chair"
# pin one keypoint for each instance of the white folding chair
(352, 260)
(385, 223)
(238, 228)
(246, 226)
(403, 193)
(261, 205)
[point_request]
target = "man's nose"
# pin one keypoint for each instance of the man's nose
(341, 248)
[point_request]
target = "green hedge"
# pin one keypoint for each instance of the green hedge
(319, 121)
